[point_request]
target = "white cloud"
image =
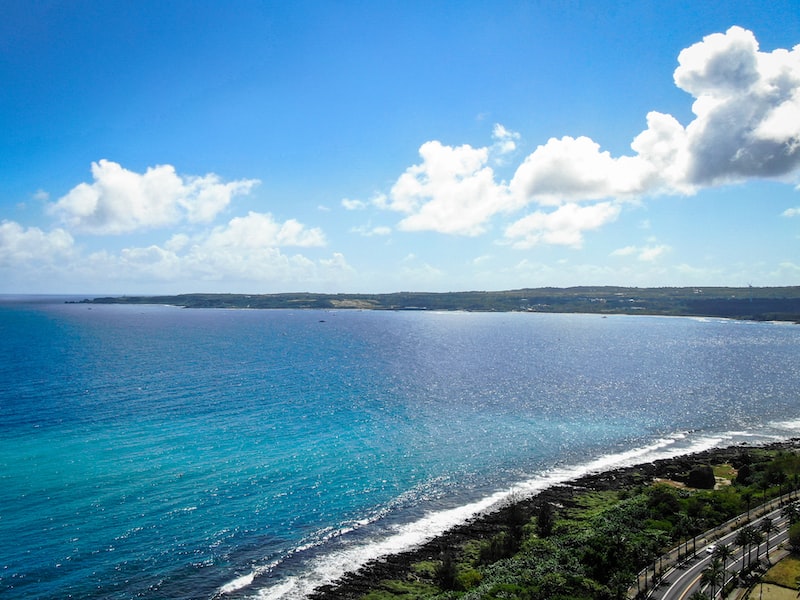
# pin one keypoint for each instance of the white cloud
(122, 201)
(787, 271)
(651, 253)
(791, 212)
(663, 149)
(626, 251)
(204, 262)
(747, 107)
(412, 269)
(246, 252)
(574, 170)
(747, 124)
(20, 246)
(258, 231)
(564, 226)
(246, 249)
(41, 196)
(354, 204)
(505, 141)
(369, 231)
(643, 253)
(451, 191)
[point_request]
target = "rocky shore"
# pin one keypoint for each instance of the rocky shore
(397, 566)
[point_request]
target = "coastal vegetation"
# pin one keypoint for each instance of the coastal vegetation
(763, 304)
(591, 540)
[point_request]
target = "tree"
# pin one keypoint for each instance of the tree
(767, 527)
(446, 572)
(743, 475)
(516, 522)
(683, 528)
(764, 485)
(724, 553)
(747, 496)
(713, 575)
(791, 512)
(742, 540)
(702, 478)
(753, 536)
(545, 519)
(794, 537)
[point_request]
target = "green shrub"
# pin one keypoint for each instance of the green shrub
(469, 579)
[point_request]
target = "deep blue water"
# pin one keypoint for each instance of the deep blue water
(157, 452)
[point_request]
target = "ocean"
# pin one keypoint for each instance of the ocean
(164, 453)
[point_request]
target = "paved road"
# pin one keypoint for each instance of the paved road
(680, 581)
(680, 584)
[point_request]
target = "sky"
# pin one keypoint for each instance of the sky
(366, 147)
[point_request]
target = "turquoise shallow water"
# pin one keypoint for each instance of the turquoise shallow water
(156, 452)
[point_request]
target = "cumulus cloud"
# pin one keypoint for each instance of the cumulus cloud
(505, 141)
(452, 190)
(201, 262)
(747, 107)
(573, 170)
(563, 226)
(122, 201)
(259, 230)
(252, 250)
(746, 125)
(246, 248)
(23, 246)
(792, 212)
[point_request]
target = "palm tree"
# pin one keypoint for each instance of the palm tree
(712, 575)
(747, 496)
(767, 527)
(724, 553)
(683, 528)
(781, 478)
(791, 512)
(764, 485)
(694, 524)
(742, 540)
(755, 538)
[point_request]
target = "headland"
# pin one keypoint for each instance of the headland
(749, 303)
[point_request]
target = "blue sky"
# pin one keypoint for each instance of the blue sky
(256, 147)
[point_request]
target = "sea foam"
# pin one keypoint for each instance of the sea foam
(327, 568)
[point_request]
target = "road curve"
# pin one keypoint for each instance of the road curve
(678, 580)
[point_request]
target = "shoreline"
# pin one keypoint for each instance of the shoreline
(354, 585)
(749, 304)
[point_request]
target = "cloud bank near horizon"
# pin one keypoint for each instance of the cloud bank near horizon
(746, 125)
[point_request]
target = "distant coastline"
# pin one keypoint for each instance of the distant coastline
(745, 303)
